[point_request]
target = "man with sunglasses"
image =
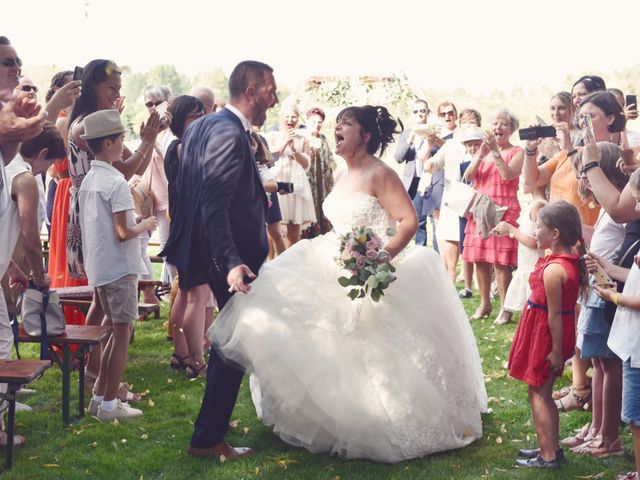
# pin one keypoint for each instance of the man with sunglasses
(409, 143)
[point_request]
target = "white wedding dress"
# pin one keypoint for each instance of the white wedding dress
(384, 381)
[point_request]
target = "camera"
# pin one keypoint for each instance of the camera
(77, 73)
(285, 187)
(533, 133)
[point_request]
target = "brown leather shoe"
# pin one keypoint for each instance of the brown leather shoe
(223, 448)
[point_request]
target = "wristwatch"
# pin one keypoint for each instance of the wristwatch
(589, 166)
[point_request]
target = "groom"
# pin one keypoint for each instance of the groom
(218, 229)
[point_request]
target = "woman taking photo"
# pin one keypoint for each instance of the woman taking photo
(495, 172)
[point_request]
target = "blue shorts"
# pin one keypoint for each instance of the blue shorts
(593, 329)
(630, 394)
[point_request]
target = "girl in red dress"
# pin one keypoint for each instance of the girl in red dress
(545, 337)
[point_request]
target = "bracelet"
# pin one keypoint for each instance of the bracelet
(589, 166)
(572, 152)
(530, 153)
(616, 299)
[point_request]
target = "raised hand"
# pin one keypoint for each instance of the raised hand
(14, 127)
(149, 130)
(119, 104)
(64, 97)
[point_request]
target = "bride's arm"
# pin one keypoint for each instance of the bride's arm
(394, 199)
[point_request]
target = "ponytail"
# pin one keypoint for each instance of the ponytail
(581, 247)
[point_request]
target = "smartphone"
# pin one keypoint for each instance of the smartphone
(631, 100)
(589, 124)
(285, 187)
(533, 133)
(162, 108)
(77, 73)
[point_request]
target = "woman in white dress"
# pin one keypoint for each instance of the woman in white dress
(291, 151)
(385, 381)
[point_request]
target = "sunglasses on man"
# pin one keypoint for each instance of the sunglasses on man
(153, 104)
(449, 113)
(421, 110)
(28, 88)
(11, 62)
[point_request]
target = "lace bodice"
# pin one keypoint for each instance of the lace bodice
(356, 209)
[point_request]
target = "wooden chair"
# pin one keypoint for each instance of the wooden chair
(16, 373)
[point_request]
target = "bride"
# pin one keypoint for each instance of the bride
(385, 381)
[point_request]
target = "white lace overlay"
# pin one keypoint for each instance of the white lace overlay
(403, 381)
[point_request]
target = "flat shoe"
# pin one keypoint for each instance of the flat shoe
(534, 452)
(628, 476)
(479, 314)
(537, 462)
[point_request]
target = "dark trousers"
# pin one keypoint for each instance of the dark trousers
(221, 392)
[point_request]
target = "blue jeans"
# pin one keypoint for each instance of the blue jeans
(421, 234)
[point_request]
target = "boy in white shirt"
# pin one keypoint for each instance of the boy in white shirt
(111, 254)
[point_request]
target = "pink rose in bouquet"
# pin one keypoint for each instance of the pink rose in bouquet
(368, 267)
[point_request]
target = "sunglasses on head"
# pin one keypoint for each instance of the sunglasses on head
(29, 88)
(421, 110)
(449, 113)
(11, 62)
(153, 104)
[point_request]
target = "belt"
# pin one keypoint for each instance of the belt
(544, 307)
(62, 175)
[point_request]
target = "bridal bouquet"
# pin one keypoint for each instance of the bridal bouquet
(361, 254)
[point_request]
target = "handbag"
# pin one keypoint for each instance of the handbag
(142, 198)
(42, 311)
(460, 197)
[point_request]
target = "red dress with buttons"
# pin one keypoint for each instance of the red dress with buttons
(532, 341)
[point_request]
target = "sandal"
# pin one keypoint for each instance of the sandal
(602, 450)
(193, 371)
(566, 403)
(503, 318)
(18, 440)
(628, 476)
(563, 392)
(177, 362)
(125, 395)
(480, 314)
(590, 442)
(579, 438)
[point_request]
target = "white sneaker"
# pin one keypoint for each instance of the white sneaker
(93, 407)
(122, 411)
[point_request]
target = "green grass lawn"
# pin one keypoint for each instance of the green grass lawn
(153, 447)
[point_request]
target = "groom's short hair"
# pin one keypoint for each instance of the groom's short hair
(247, 73)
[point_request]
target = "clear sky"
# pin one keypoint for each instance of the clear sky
(446, 44)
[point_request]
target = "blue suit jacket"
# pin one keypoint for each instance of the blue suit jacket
(219, 219)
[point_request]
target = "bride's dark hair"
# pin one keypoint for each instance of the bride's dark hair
(376, 121)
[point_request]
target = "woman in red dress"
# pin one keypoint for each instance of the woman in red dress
(495, 172)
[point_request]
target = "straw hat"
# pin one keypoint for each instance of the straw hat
(102, 123)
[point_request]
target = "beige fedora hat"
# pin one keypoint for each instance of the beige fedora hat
(102, 123)
(472, 133)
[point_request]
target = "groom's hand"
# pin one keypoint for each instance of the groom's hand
(236, 277)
